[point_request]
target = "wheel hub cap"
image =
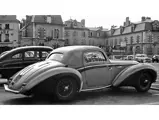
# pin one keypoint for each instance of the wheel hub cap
(146, 81)
(66, 88)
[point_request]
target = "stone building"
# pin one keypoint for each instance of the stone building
(45, 30)
(9, 32)
(77, 34)
(139, 37)
(97, 36)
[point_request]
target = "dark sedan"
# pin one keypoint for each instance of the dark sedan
(155, 58)
(16, 59)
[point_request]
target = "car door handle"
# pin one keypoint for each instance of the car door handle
(119, 66)
(109, 68)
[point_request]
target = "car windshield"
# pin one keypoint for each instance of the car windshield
(55, 56)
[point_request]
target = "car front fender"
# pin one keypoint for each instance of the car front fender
(132, 70)
(51, 73)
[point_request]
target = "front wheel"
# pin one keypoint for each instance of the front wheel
(65, 89)
(144, 82)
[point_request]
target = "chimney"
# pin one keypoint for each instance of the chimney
(83, 22)
(143, 19)
(28, 18)
(127, 22)
(148, 18)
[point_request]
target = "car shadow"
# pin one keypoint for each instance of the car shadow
(80, 98)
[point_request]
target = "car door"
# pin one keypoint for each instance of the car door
(12, 65)
(97, 73)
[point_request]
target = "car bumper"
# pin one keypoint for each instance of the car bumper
(6, 87)
(3, 81)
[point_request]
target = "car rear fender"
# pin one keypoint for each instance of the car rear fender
(59, 71)
(132, 70)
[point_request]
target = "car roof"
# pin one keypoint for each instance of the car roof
(30, 47)
(15, 50)
(76, 48)
(73, 54)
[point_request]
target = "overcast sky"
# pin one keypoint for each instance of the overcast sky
(95, 12)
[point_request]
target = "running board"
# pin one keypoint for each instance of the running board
(96, 88)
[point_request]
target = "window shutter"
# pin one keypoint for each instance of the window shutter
(11, 26)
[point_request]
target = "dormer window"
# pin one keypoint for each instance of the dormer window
(133, 27)
(6, 26)
(155, 25)
(48, 19)
(121, 29)
(91, 34)
(98, 34)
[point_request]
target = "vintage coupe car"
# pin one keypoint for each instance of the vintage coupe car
(72, 69)
(16, 59)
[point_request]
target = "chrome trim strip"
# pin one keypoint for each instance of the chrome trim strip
(96, 88)
(103, 65)
(9, 90)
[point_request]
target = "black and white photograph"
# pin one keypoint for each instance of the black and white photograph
(79, 54)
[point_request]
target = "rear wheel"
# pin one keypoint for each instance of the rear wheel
(144, 82)
(65, 89)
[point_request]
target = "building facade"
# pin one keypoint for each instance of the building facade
(45, 30)
(97, 36)
(77, 34)
(9, 32)
(140, 37)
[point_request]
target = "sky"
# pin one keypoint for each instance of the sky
(95, 12)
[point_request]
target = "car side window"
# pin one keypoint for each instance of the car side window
(17, 56)
(44, 54)
(29, 54)
(37, 54)
(96, 56)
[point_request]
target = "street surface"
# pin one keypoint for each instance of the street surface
(124, 96)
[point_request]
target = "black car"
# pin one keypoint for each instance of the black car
(16, 59)
(155, 58)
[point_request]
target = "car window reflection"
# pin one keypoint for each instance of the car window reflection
(17, 56)
(94, 57)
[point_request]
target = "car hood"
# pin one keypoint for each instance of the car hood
(124, 62)
(26, 74)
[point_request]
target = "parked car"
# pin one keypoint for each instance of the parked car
(72, 69)
(16, 59)
(142, 58)
(155, 58)
(130, 57)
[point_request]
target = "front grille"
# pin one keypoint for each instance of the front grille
(17, 78)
